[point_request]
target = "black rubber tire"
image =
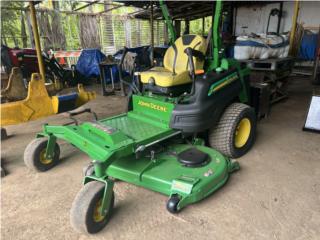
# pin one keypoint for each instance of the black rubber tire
(172, 203)
(4, 134)
(32, 155)
(3, 173)
(222, 136)
(88, 170)
(82, 209)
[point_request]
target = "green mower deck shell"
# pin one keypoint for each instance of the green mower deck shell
(165, 174)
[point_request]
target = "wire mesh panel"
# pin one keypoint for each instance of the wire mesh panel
(78, 30)
(119, 34)
(159, 29)
(119, 31)
(107, 38)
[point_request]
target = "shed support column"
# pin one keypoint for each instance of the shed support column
(177, 27)
(152, 31)
(36, 38)
(294, 24)
(187, 30)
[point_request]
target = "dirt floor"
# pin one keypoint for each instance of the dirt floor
(275, 195)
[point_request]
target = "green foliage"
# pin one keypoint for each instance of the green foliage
(139, 34)
(10, 23)
(196, 26)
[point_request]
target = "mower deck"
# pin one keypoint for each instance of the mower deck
(165, 174)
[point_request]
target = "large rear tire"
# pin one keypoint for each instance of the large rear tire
(234, 134)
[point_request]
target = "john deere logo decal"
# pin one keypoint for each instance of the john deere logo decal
(223, 82)
(152, 106)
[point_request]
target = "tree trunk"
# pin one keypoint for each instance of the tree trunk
(3, 37)
(16, 44)
(57, 27)
(30, 29)
(23, 32)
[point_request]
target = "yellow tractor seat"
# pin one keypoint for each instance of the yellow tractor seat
(176, 68)
(164, 78)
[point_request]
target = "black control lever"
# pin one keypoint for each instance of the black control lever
(189, 52)
(79, 111)
(120, 67)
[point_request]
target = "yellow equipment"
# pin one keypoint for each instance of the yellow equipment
(176, 69)
(15, 89)
(39, 104)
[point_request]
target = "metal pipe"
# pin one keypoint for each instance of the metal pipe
(36, 38)
(279, 17)
(216, 34)
(152, 34)
(168, 20)
(151, 22)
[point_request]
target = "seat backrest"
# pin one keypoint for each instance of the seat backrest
(176, 60)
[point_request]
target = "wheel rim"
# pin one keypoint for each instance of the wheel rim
(43, 158)
(97, 216)
(242, 132)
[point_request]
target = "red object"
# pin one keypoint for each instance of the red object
(26, 57)
(62, 61)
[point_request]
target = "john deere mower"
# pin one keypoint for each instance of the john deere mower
(185, 122)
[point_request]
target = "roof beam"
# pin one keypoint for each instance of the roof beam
(192, 13)
(85, 6)
(108, 10)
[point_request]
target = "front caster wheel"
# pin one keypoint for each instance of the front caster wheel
(85, 214)
(35, 155)
(172, 204)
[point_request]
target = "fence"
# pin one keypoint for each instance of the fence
(110, 32)
(119, 32)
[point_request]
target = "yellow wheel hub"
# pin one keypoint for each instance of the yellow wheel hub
(43, 158)
(97, 216)
(242, 132)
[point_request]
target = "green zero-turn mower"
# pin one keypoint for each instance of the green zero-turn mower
(185, 121)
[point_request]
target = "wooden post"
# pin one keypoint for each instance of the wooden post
(294, 25)
(36, 38)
